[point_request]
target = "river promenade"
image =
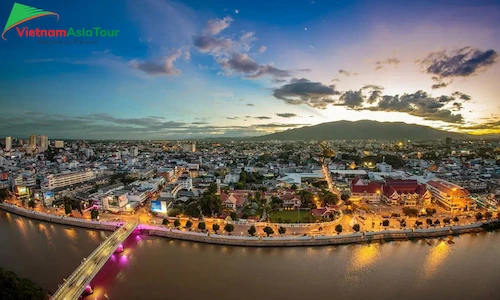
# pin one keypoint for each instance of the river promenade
(256, 241)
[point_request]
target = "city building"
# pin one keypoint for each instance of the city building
(43, 143)
(55, 181)
(361, 191)
(134, 151)
(188, 147)
(451, 196)
(32, 144)
(405, 192)
(59, 144)
(8, 143)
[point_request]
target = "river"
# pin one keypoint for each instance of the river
(158, 268)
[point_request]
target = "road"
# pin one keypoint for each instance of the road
(76, 284)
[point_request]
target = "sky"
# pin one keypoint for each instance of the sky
(194, 69)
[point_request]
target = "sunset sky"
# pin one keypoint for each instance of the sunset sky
(191, 69)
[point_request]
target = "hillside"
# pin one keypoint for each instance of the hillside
(363, 130)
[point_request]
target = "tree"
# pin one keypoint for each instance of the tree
(356, 227)
(165, 221)
(428, 221)
(268, 230)
(282, 230)
(233, 216)
(31, 203)
(488, 215)
(479, 216)
(215, 227)
(229, 228)
(344, 197)
(14, 287)
(338, 228)
(430, 211)
(239, 186)
(202, 226)
(412, 212)
(177, 223)
(252, 230)
(67, 205)
(455, 219)
(446, 221)
(94, 214)
(437, 222)
(294, 187)
(189, 224)
(385, 223)
(3, 195)
(418, 223)
(402, 223)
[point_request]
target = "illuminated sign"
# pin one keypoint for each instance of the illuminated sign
(4, 176)
(159, 206)
(48, 197)
(22, 190)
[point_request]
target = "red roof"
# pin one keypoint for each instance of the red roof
(403, 187)
(370, 188)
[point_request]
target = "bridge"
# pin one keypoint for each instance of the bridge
(79, 281)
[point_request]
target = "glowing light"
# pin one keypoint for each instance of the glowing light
(364, 256)
(435, 259)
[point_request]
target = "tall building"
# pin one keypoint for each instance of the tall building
(188, 147)
(8, 143)
(134, 151)
(43, 142)
(54, 181)
(32, 141)
(59, 144)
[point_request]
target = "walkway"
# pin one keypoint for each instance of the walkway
(76, 284)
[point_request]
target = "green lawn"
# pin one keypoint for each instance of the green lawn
(289, 216)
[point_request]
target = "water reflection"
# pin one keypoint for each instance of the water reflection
(364, 256)
(435, 259)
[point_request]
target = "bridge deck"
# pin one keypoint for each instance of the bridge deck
(75, 285)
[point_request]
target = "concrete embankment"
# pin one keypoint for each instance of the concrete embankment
(248, 241)
(111, 226)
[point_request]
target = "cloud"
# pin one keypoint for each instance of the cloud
(352, 98)
(250, 104)
(278, 125)
(163, 68)
(272, 71)
(211, 44)
(419, 104)
(232, 118)
(236, 11)
(186, 55)
(390, 61)
(347, 73)
(262, 49)
(461, 96)
(215, 26)
(286, 115)
(304, 91)
(262, 118)
(463, 62)
(247, 39)
(440, 85)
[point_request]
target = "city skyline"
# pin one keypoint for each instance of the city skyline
(193, 69)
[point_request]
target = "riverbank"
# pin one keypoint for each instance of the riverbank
(259, 241)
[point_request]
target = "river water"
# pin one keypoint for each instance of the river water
(158, 268)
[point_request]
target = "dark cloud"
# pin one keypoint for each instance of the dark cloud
(440, 85)
(461, 96)
(286, 115)
(278, 125)
(335, 80)
(304, 91)
(390, 61)
(457, 106)
(199, 123)
(352, 98)
(419, 104)
(232, 118)
(277, 80)
(375, 92)
(347, 73)
(240, 63)
(159, 68)
(250, 104)
(463, 62)
(262, 118)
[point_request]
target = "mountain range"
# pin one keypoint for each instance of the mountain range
(364, 130)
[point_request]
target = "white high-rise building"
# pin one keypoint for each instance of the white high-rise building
(32, 141)
(8, 143)
(134, 151)
(189, 147)
(43, 142)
